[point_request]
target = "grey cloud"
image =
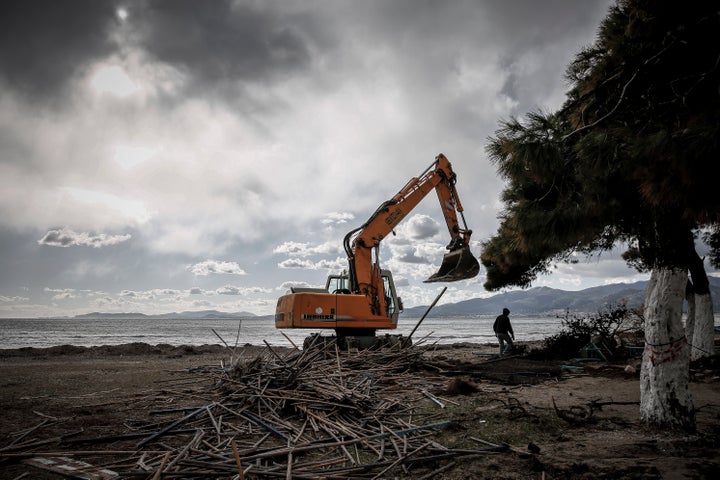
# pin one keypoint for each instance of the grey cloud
(218, 46)
(289, 285)
(228, 290)
(222, 42)
(257, 290)
(422, 226)
(45, 43)
(168, 291)
(337, 218)
(149, 294)
(475, 34)
(292, 248)
(336, 264)
(496, 21)
(234, 290)
(214, 266)
(4, 299)
(57, 238)
(64, 296)
(412, 257)
(306, 249)
(296, 263)
(60, 292)
(68, 238)
(222, 46)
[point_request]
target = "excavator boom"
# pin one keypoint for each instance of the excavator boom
(458, 264)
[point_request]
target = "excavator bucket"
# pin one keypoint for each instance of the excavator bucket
(457, 265)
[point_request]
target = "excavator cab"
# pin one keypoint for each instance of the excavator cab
(340, 284)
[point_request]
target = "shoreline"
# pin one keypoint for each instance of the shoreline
(143, 348)
(134, 348)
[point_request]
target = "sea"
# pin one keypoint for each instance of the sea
(89, 332)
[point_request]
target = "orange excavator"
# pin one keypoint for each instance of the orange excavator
(363, 299)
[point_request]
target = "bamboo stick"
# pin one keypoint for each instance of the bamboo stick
(198, 435)
(401, 459)
(236, 454)
(288, 472)
(159, 472)
(433, 398)
(275, 353)
(171, 426)
(291, 342)
(29, 431)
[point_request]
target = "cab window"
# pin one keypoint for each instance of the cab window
(388, 297)
(338, 285)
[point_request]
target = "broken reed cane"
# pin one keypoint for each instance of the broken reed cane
(409, 338)
(300, 417)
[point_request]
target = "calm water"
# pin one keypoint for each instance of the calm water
(48, 332)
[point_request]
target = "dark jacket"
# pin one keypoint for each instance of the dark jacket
(502, 325)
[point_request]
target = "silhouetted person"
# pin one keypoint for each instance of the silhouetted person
(504, 332)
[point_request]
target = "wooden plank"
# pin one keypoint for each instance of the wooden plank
(71, 468)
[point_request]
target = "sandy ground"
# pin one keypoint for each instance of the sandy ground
(50, 394)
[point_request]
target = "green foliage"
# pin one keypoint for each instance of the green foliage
(579, 329)
(627, 158)
(712, 239)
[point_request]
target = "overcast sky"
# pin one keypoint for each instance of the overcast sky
(161, 156)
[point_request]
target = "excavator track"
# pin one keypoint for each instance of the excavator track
(328, 343)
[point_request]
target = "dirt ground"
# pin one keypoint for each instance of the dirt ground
(556, 420)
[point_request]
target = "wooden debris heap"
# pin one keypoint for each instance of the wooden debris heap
(307, 414)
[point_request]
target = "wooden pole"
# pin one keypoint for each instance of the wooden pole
(425, 315)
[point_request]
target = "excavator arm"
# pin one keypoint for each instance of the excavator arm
(458, 263)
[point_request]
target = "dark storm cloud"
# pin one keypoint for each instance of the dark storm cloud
(221, 42)
(538, 21)
(222, 46)
(45, 43)
(518, 32)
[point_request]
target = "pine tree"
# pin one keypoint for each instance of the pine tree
(627, 159)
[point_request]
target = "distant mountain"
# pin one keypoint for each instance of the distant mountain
(202, 314)
(111, 315)
(545, 300)
(534, 301)
(207, 314)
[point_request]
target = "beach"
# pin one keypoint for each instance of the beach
(51, 396)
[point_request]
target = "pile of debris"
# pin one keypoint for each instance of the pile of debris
(308, 413)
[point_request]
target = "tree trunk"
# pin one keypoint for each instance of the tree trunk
(703, 339)
(690, 320)
(702, 336)
(664, 396)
